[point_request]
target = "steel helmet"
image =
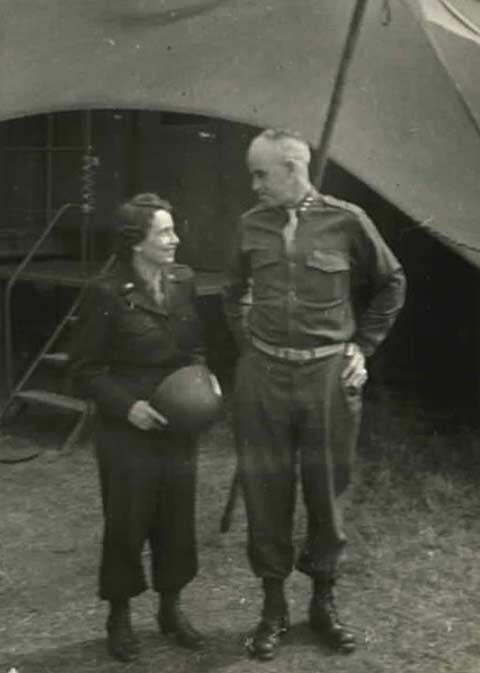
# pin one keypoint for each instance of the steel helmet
(188, 400)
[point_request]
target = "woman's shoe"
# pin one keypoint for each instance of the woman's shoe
(121, 640)
(173, 621)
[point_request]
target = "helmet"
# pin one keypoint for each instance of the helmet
(188, 399)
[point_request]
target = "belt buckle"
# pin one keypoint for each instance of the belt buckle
(296, 355)
(289, 353)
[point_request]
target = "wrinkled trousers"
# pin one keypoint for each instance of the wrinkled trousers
(147, 483)
(293, 416)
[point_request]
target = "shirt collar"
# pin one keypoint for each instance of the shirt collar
(310, 197)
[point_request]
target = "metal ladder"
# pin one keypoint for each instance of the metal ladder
(20, 394)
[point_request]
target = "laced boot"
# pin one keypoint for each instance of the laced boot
(121, 640)
(173, 621)
(264, 642)
(324, 619)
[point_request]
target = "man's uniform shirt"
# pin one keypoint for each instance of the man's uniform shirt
(338, 282)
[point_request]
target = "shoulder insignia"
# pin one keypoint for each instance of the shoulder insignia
(312, 200)
(333, 202)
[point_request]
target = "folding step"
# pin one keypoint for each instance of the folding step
(55, 358)
(53, 399)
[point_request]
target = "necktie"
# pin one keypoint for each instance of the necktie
(289, 231)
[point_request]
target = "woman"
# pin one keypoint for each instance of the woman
(137, 325)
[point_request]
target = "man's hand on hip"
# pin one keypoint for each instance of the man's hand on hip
(354, 374)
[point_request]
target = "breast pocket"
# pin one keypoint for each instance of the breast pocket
(267, 273)
(327, 276)
(264, 257)
(136, 323)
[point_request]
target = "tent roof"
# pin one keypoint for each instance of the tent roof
(404, 129)
(265, 63)
(403, 126)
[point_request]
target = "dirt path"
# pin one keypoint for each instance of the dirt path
(410, 585)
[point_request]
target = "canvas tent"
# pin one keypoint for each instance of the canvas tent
(455, 31)
(403, 127)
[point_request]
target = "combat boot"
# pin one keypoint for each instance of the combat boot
(324, 620)
(264, 642)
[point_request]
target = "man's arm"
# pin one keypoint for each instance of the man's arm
(237, 294)
(386, 285)
(198, 351)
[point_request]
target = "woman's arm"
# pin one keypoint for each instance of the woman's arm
(92, 342)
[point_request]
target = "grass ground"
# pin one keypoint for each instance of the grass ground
(410, 582)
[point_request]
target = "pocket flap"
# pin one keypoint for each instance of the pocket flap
(264, 256)
(328, 260)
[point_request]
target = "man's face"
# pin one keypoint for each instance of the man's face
(273, 180)
(159, 245)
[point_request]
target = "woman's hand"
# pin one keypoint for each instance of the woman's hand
(144, 417)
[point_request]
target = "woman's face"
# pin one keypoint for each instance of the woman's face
(159, 245)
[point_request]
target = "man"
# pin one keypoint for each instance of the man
(313, 290)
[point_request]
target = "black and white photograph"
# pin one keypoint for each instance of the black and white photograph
(240, 336)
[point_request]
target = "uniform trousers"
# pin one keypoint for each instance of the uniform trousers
(290, 417)
(147, 481)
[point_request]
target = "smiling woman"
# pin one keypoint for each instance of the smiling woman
(137, 326)
(148, 231)
(161, 241)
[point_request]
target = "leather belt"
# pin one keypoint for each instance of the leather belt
(297, 354)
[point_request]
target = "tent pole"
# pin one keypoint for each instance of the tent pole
(338, 87)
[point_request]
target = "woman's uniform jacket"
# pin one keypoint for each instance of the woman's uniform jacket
(126, 342)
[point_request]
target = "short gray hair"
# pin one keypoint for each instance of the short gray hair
(291, 145)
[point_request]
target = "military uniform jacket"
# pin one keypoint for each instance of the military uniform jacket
(342, 283)
(126, 343)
